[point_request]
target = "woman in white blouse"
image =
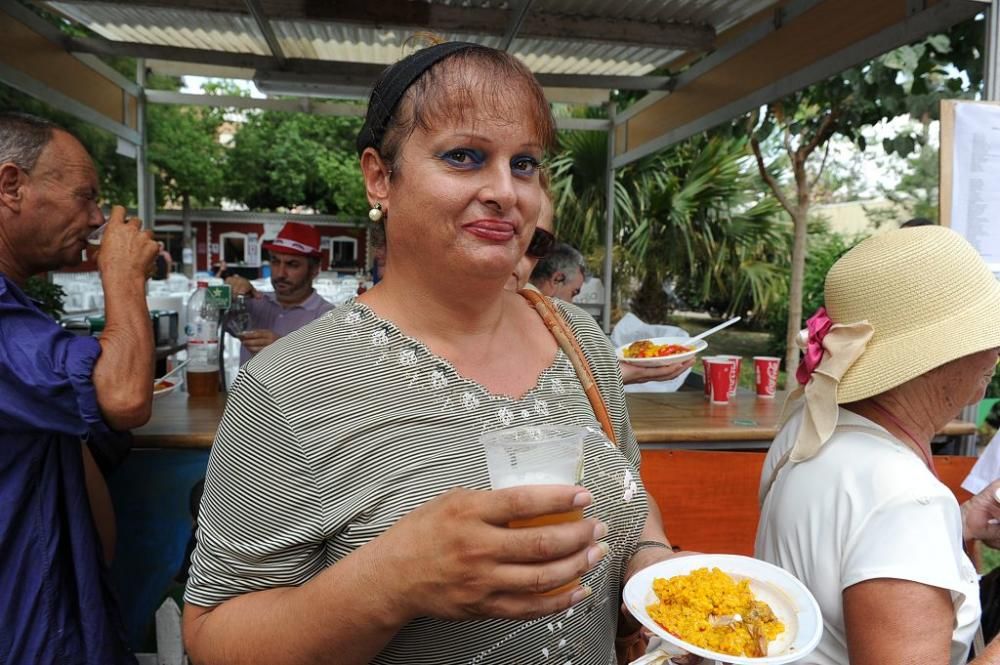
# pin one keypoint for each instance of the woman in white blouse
(851, 500)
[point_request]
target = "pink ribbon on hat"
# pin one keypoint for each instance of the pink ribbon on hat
(818, 325)
(830, 350)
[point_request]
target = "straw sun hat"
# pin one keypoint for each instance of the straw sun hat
(929, 298)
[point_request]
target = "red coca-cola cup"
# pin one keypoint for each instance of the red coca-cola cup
(734, 383)
(720, 376)
(765, 374)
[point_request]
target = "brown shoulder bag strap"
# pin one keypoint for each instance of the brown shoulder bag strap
(567, 342)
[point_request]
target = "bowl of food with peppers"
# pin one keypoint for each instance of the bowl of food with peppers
(660, 351)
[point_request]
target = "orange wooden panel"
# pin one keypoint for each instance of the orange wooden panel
(952, 470)
(709, 498)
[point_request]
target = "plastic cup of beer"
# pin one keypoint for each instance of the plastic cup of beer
(545, 455)
(202, 384)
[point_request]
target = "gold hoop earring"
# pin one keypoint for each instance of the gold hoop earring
(376, 214)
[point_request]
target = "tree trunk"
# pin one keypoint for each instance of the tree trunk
(188, 247)
(798, 270)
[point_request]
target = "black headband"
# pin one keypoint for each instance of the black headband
(393, 83)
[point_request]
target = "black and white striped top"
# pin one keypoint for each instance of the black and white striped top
(336, 431)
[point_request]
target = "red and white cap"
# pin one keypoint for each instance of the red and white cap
(295, 238)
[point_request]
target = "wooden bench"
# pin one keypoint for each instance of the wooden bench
(709, 498)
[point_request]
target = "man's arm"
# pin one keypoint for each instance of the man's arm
(123, 374)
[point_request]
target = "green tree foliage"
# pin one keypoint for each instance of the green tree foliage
(691, 218)
(701, 225)
(824, 250)
(578, 183)
(184, 151)
(916, 194)
(185, 154)
(908, 80)
(48, 295)
(282, 160)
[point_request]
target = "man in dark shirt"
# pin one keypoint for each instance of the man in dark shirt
(57, 392)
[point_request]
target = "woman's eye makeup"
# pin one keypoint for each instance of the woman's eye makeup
(524, 165)
(462, 157)
(469, 158)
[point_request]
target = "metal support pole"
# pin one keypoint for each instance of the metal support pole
(609, 224)
(141, 163)
(991, 59)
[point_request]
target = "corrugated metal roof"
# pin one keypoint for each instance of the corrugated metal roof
(216, 31)
(236, 32)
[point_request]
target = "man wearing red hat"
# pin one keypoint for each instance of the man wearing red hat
(295, 257)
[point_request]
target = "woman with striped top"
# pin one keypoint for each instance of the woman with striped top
(347, 515)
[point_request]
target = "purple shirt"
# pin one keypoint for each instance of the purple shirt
(56, 602)
(267, 313)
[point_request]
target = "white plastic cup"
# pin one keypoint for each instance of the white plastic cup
(545, 455)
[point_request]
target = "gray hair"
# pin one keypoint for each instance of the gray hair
(23, 137)
(563, 258)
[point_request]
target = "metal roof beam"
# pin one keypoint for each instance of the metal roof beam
(907, 29)
(475, 20)
(514, 24)
(101, 46)
(305, 105)
(740, 43)
(266, 30)
(299, 105)
(61, 39)
(329, 81)
(329, 72)
(34, 21)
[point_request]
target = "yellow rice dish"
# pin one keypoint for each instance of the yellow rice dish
(707, 608)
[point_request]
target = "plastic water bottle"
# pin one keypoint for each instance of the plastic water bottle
(202, 331)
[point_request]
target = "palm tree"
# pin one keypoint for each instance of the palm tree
(694, 217)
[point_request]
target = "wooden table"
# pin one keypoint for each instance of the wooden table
(180, 421)
(680, 420)
(685, 420)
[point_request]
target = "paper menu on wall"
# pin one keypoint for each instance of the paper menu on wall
(975, 162)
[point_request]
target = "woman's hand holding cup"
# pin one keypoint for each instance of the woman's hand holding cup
(456, 558)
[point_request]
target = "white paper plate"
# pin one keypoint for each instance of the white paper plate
(788, 597)
(697, 347)
(168, 386)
